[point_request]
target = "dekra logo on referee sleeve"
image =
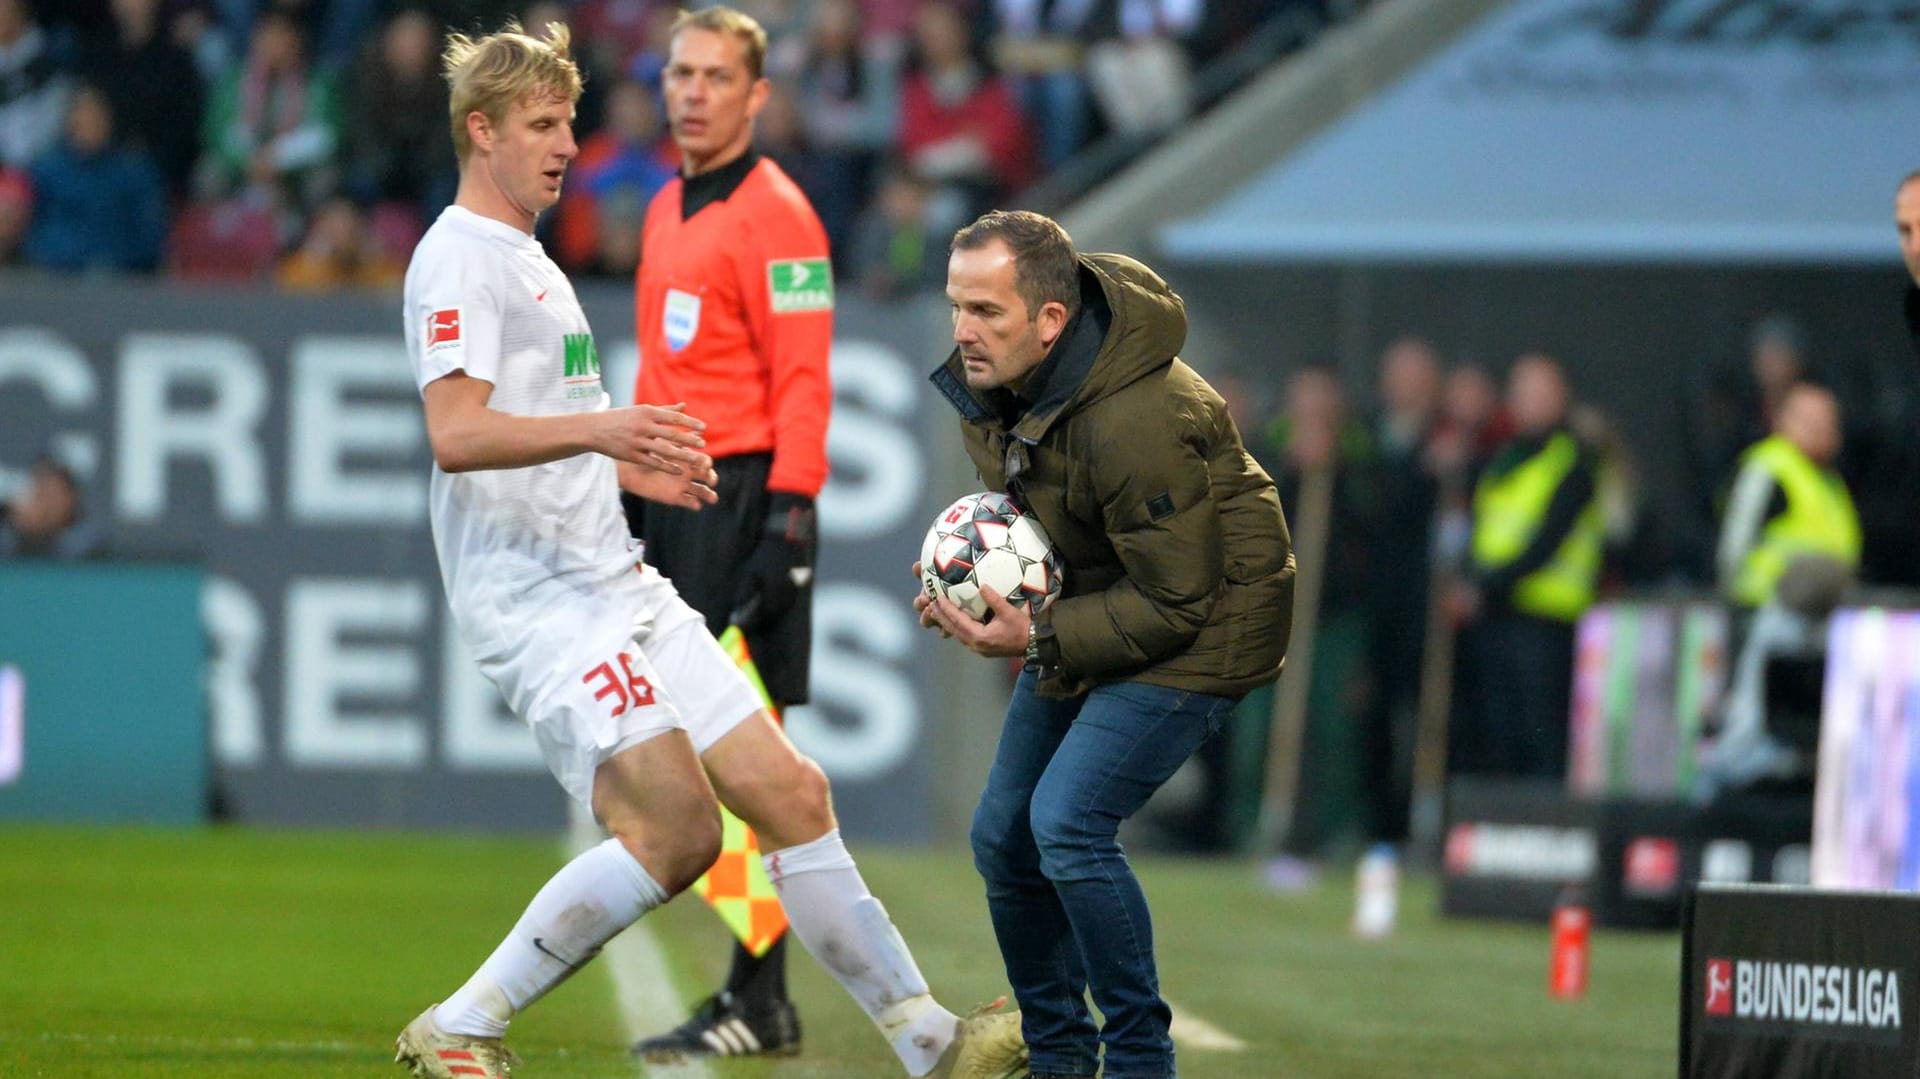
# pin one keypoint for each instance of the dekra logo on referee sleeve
(800, 285)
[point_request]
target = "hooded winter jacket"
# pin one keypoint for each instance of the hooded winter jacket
(1179, 569)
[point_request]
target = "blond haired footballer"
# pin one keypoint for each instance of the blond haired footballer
(636, 709)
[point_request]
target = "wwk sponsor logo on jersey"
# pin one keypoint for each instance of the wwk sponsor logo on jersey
(1817, 999)
(582, 365)
(800, 285)
(443, 329)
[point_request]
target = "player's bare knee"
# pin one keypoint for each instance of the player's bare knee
(674, 855)
(811, 793)
(700, 845)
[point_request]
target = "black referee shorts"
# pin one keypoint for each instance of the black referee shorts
(702, 551)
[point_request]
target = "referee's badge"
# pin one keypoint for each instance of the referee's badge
(682, 318)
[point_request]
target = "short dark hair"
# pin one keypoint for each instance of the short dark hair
(1045, 266)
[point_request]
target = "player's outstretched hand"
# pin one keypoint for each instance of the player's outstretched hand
(660, 437)
(691, 488)
(1003, 634)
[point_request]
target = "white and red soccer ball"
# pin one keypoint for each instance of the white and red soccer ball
(985, 539)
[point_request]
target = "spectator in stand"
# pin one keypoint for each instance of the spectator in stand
(1407, 493)
(1141, 75)
(625, 160)
(616, 252)
(845, 96)
(1788, 500)
(1789, 549)
(98, 206)
(399, 147)
(615, 31)
(273, 125)
(193, 27)
(1315, 440)
(154, 87)
(779, 132)
(33, 92)
(897, 247)
(648, 64)
(1533, 568)
(959, 125)
(1473, 424)
(46, 519)
(1039, 47)
(1906, 222)
(339, 252)
(335, 28)
(16, 213)
(1733, 411)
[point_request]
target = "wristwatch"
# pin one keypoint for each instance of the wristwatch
(1041, 649)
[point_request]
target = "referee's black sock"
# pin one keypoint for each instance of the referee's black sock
(758, 982)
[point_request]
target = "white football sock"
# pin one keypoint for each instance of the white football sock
(593, 897)
(848, 931)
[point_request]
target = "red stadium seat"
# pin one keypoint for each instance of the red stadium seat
(225, 241)
(397, 228)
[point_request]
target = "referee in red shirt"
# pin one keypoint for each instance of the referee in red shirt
(734, 306)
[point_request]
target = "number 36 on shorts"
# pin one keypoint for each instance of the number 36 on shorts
(617, 678)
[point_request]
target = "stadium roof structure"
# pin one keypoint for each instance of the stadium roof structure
(1674, 131)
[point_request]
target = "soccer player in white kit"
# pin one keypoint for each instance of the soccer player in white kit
(635, 707)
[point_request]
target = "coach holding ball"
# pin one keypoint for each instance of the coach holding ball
(1179, 594)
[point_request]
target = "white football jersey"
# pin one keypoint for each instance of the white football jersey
(533, 558)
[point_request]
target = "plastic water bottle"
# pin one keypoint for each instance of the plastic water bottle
(1572, 922)
(1376, 893)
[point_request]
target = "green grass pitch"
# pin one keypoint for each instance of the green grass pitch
(227, 953)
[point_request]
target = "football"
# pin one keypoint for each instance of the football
(986, 539)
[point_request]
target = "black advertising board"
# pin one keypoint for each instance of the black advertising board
(1795, 983)
(1515, 847)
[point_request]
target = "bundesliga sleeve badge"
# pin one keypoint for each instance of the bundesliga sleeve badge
(443, 330)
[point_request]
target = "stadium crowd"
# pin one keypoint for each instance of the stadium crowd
(306, 140)
(1785, 453)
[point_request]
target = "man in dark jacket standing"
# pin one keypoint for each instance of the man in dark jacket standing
(1178, 598)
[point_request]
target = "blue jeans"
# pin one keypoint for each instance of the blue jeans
(1067, 910)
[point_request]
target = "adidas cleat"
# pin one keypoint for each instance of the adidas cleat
(727, 1027)
(432, 1053)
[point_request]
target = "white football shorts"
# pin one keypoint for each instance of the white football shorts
(667, 673)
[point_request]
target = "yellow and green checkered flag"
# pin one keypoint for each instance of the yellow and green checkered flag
(736, 885)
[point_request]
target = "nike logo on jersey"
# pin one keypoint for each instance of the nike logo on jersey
(542, 296)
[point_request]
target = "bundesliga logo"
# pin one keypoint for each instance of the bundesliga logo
(1859, 997)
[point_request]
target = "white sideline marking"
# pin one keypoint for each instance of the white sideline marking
(1192, 1032)
(642, 986)
(238, 1045)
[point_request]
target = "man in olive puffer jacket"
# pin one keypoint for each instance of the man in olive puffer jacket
(1178, 598)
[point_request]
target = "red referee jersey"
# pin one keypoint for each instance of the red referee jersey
(734, 304)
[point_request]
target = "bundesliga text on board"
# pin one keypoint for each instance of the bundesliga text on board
(1813, 1000)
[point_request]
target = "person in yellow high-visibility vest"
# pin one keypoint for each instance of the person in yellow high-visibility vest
(1788, 501)
(1534, 560)
(1789, 546)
